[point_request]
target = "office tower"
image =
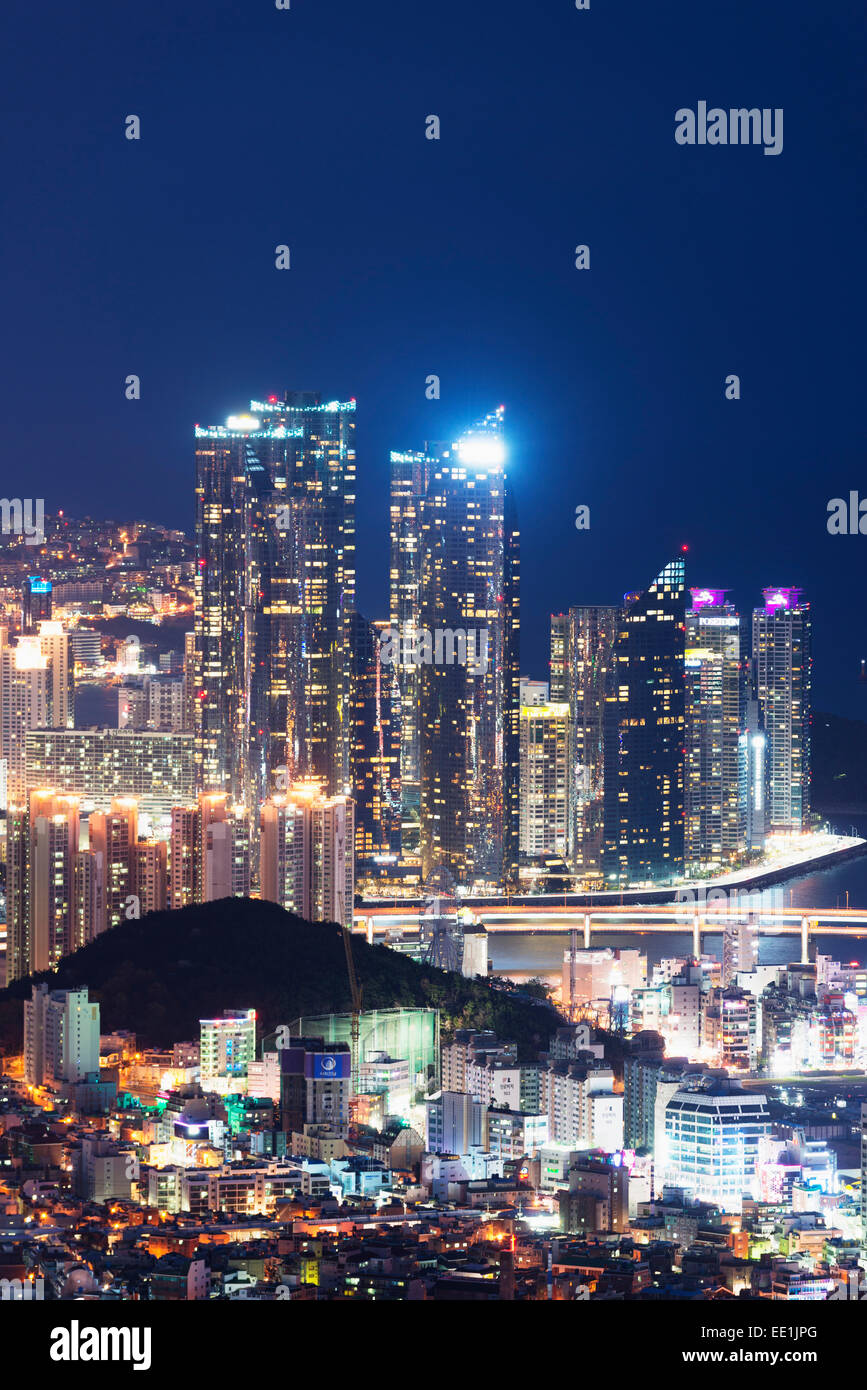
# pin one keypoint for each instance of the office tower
(753, 776)
(470, 709)
(25, 703)
(150, 861)
(275, 582)
(61, 1036)
(227, 1045)
(544, 767)
(782, 661)
(559, 663)
(715, 834)
(315, 1084)
(113, 837)
(189, 682)
(306, 862)
(712, 1137)
(155, 768)
(35, 602)
(375, 743)
(410, 475)
(643, 723)
(590, 632)
(184, 857)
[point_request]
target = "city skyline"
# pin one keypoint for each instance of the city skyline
(613, 378)
(433, 684)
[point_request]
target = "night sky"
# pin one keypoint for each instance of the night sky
(456, 257)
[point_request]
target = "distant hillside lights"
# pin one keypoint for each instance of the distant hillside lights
(442, 647)
(24, 518)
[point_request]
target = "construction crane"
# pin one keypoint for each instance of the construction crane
(355, 993)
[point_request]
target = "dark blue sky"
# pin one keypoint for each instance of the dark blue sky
(456, 257)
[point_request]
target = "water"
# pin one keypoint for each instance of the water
(524, 956)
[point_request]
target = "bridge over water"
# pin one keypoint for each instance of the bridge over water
(378, 920)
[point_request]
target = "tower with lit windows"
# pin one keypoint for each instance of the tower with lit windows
(410, 474)
(275, 583)
(374, 716)
(715, 811)
(782, 661)
(644, 737)
(582, 641)
(306, 843)
(469, 709)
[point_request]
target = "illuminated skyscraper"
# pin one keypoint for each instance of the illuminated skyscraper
(753, 775)
(586, 643)
(375, 743)
(715, 812)
(544, 743)
(36, 602)
(644, 737)
(25, 704)
(469, 710)
(275, 582)
(782, 659)
(559, 656)
(189, 682)
(410, 475)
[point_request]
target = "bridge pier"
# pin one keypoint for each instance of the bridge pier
(586, 931)
(805, 941)
(696, 937)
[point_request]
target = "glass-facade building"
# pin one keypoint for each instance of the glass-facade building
(469, 740)
(782, 661)
(715, 809)
(412, 1035)
(275, 584)
(643, 727)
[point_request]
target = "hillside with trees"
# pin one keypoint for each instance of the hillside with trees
(158, 976)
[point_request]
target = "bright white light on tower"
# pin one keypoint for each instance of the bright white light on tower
(485, 450)
(242, 422)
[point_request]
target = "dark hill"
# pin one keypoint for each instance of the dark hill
(160, 975)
